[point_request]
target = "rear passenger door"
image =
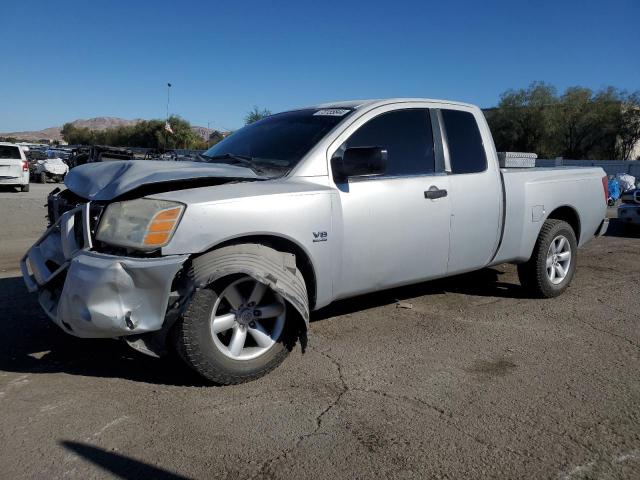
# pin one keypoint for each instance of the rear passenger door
(393, 234)
(475, 191)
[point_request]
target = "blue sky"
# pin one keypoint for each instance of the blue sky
(64, 60)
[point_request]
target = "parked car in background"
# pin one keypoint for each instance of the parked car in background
(224, 259)
(48, 169)
(98, 153)
(14, 166)
(629, 209)
(155, 154)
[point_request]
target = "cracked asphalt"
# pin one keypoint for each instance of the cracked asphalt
(473, 380)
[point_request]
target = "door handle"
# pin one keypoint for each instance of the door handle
(434, 192)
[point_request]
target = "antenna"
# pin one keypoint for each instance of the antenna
(166, 124)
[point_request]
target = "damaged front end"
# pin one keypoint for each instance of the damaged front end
(93, 289)
(92, 294)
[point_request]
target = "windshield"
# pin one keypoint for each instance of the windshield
(275, 144)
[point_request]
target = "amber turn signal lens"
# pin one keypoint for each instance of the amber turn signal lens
(156, 238)
(162, 226)
(169, 214)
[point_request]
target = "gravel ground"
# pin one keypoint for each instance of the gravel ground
(472, 381)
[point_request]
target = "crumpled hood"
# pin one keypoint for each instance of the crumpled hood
(108, 180)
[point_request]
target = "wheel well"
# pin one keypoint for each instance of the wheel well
(303, 262)
(569, 215)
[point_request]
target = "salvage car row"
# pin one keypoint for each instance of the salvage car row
(19, 166)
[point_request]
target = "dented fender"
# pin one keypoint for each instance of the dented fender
(271, 267)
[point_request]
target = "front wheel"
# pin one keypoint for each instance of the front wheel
(234, 331)
(43, 177)
(552, 265)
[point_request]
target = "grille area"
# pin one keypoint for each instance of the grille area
(59, 202)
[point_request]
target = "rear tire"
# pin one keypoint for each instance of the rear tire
(24, 188)
(552, 265)
(205, 334)
(43, 177)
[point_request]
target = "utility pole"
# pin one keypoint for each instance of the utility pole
(168, 91)
(166, 125)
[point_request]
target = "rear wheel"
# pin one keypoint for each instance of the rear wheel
(234, 331)
(24, 188)
(43, 177)
(552, 265)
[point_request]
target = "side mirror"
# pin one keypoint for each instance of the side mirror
(358, 161)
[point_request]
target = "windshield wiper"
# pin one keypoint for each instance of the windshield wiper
(244, 160)
(262, 166)
(238, 159)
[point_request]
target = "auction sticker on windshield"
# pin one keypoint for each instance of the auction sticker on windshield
(332, 112)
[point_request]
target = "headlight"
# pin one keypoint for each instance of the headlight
(142, 224)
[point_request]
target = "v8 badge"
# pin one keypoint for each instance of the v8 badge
(319, 237)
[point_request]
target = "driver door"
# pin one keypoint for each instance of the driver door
(394, 231)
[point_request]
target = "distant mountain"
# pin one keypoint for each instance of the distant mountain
(54, 133)
(97, 123)
(103, 123)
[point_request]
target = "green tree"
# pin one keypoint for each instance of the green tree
(77, 135)
(579, 124)
(256, 114)
(145, 134)
(587, 124)
(214, 138)
(629, 134)
(520, 122)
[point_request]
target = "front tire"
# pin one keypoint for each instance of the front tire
(552, 265)
(234, 331)
(43, 177)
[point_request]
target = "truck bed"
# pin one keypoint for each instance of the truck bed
(531, 195)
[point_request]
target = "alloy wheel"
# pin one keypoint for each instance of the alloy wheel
(247, 319)
(558, 259)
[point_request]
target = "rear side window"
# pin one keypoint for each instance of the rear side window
(9, 152)
(465, 143)
(407, 137)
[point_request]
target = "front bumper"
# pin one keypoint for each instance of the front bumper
(95, 295)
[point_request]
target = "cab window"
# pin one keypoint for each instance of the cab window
(466, 151)
(407, 137)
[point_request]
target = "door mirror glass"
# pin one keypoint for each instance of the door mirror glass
(357, 161)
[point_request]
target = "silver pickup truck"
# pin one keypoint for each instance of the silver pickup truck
(224, 259)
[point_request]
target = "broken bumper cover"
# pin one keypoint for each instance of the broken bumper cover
(108, 296)
(95, 295)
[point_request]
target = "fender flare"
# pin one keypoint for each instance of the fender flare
(275, 269)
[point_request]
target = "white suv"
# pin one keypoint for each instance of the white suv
(14, 167)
